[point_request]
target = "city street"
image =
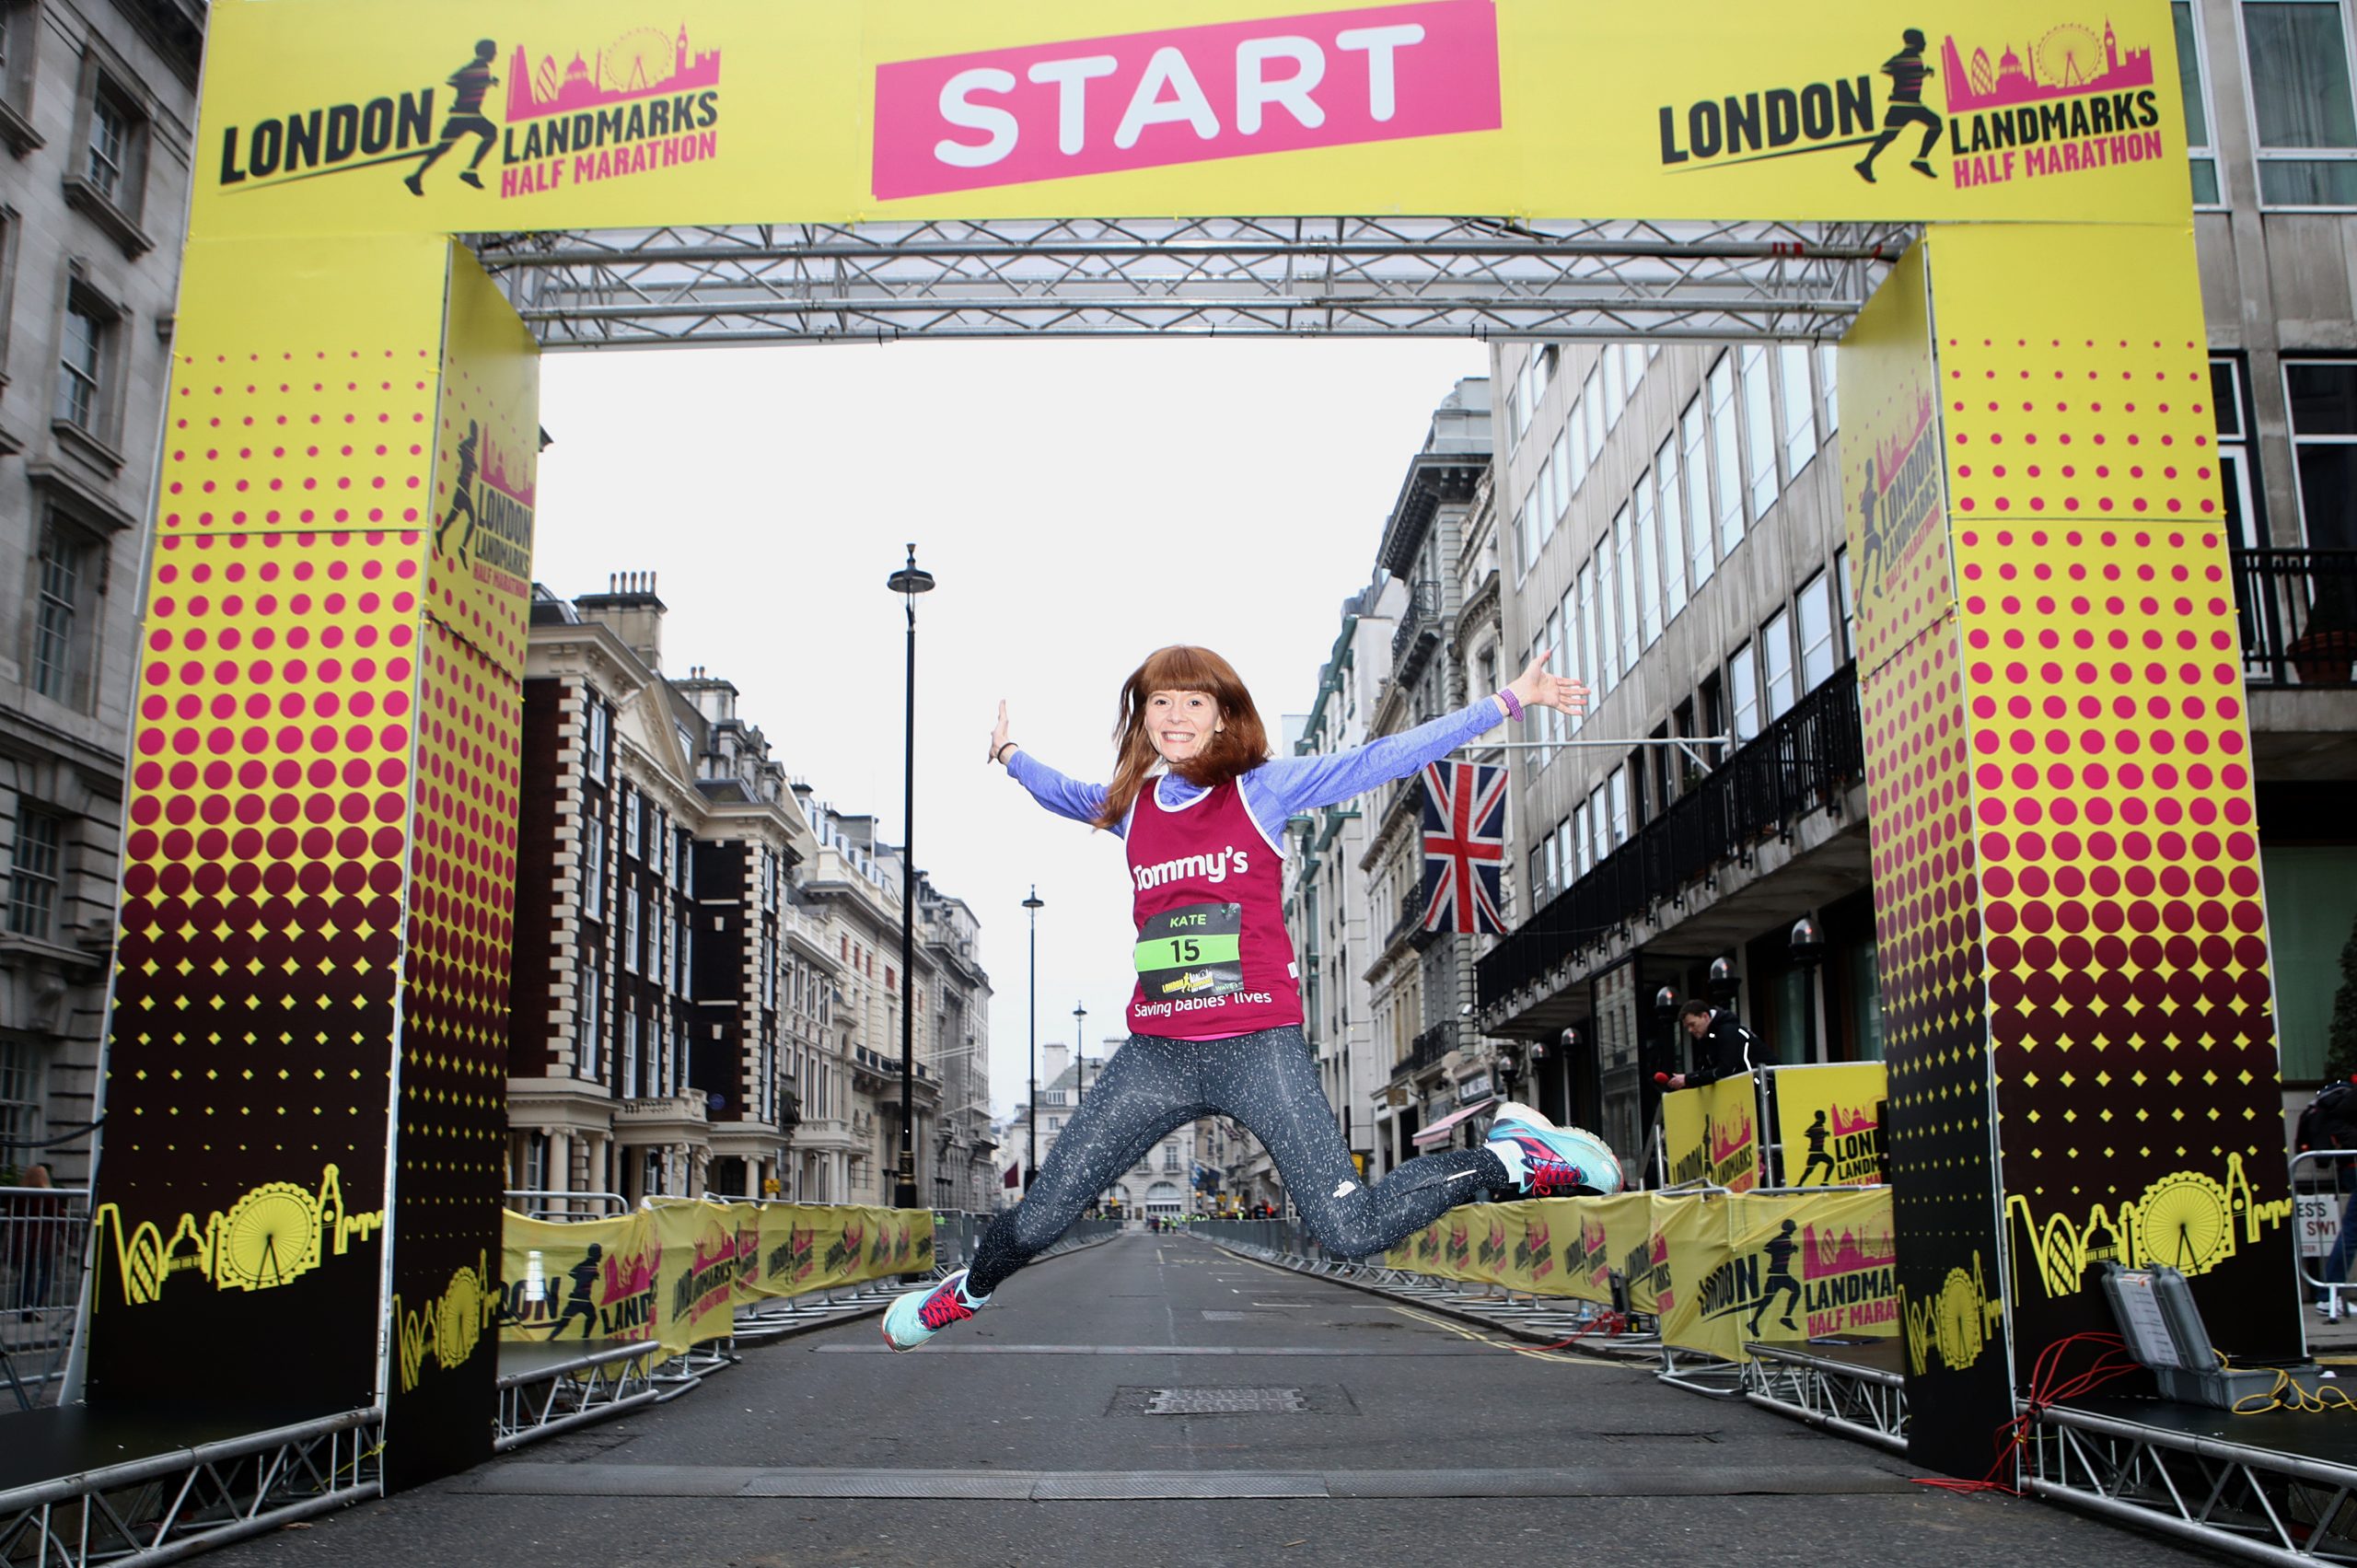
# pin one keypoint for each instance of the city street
(1026, 1436)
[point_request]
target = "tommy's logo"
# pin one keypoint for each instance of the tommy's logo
(646, 100)
(2073, 99)
(1185, 95)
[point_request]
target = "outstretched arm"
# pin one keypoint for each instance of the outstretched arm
(1065, 797)
(1300, 784)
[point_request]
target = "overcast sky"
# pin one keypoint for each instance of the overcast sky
(1081, 503)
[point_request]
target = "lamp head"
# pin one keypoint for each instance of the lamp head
(909, 580)
(1807, 943)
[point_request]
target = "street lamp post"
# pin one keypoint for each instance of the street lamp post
(909, 581)
(1031, 1107)
(1079, 1055)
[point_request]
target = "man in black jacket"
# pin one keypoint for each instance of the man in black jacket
(1722, 1046)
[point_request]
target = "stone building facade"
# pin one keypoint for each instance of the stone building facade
(97, 104)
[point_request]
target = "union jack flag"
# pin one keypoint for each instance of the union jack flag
(1465, 847)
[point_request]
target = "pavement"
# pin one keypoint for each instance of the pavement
(1329, 1427)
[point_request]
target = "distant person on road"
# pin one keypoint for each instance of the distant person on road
(1722, 1047)
(1215, 1018)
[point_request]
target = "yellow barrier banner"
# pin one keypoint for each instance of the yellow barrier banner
(1713, 1134)
(455, 116)
(675, 1273)
(1691, 1232)
(1829, 1123)
(583, 1279)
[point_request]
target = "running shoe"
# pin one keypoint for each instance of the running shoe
(918, 1315)
(1547, 1161)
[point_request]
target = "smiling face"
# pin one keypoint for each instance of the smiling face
(1181, 723)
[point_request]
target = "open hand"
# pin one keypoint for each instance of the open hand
(998, 735)
(1534, 688)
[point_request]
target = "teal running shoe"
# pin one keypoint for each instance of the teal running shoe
(1547, 1161)
(918, 1315)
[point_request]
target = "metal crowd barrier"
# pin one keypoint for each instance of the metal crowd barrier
(44, 1232)
(545, 1203)
(2324, 1188)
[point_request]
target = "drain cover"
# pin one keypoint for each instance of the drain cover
(1223, 1401)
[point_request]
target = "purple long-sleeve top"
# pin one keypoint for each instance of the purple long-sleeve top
(1281, 787)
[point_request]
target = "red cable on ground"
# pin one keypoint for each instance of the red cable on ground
(1613, 1324)
(2046, 1387)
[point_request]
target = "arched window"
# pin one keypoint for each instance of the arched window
(1162, 1198)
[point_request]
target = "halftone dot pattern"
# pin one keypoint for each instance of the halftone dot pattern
(297, 439)
(261, 871)
(2114, 841)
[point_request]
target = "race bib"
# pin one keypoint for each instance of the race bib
(1194, 951)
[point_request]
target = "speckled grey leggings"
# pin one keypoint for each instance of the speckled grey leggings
(1269, 1081)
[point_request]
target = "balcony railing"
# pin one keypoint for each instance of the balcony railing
(1427, 1048)
(1411, 914)
(1802, 763)
(2297, 610)
(1421, 615)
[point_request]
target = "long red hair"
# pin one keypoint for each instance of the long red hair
(1240, 745)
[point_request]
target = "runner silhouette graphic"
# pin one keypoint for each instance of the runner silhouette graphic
(469, 82)
(1906, 73)
(463, 496)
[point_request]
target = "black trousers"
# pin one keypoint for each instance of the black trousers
(1268, 1081)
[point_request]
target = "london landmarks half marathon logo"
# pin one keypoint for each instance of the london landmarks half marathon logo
(488, 524)
(2072, 99)
(645, 101)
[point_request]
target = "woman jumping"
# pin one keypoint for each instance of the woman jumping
(1215, 1020)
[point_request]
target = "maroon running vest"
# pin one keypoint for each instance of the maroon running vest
(1208, 892)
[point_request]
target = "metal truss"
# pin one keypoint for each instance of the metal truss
(1226, 277)
(169, 1506)
(538, 1400)
(1868, 1404)
(2276, 1507)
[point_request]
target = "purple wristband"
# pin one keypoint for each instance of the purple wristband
(1514, 705)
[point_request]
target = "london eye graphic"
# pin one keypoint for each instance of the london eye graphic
(2071, 56)
(637, 60)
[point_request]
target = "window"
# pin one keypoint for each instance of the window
(1616, 396)
(69, 578)
(1551, 722)
(1570, 655)
(1592, 421)
(596, 739)
(1817, 631)
(1616, 793)
(1648, 548)
(1624, 568)
(1849, 605)
(1726, 460)
(2299, 102)
(1600, 823)
(629, 929)
(1673, 526)
(1829, 363)
(1543, 497)
(593, 869)
(1170, 1156)
(683, 875)
(1596, 639)
(632, 1086)
(1759, 430)
(2239, 495)
(109, 146)
(2189, 73)
(1695, 461)
(34, 877)
(1743, 675)
(1582, 846)
(1607, 588)
(1559, 464)
(85, 354)
(2323, 401)
(631, 817)
(593, 1020)
(1800, 408)
(1776, 662)
(21, 1095)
